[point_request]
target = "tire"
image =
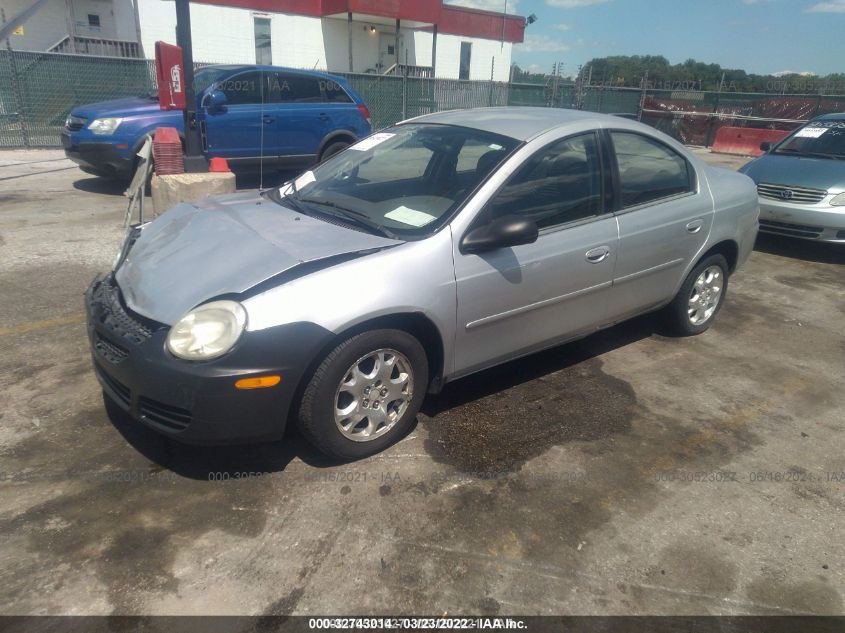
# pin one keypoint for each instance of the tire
(688, 316)
(335, 396)
(333, 148)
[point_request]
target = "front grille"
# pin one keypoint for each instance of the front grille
(75, 123)
(174, 418)
(117, 319)
(109, 351)
(785, 193)
(792, 230)
(120, 391)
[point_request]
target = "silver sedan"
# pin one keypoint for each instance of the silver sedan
(426, 252)
(801, 182)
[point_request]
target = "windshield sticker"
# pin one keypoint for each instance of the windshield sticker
(811, 132)
(372, 141)
(305, 179)
(410, 216)
(495, 146)
(295, 185)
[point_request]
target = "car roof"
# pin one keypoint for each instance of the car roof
(521, 123)
(299, 71)
(833, 116)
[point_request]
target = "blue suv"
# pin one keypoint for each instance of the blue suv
(246, 114)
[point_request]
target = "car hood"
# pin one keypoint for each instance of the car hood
(797, 171)
(117, 107)
(226, 245)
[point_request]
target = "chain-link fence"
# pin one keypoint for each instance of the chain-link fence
(38, 90)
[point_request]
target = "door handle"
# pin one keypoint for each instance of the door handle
(598, 254)
(695, 226)
(268, 120)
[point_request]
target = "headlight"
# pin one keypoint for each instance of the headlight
(838, 201)
(105, 126)
(207, 331)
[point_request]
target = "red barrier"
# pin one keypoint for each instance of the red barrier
(167, 151)
(745, 140)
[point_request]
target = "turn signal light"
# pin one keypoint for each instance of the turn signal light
(259, 382)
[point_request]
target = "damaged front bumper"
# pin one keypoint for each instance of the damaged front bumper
(195, 402)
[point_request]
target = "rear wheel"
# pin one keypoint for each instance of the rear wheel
(333, 148)
(365, 394)
(700, 298)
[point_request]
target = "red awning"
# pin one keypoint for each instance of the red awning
(449, 19)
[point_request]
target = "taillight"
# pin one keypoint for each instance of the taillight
(365, 112)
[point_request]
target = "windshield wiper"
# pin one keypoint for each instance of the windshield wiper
(824, 155)
(790, 150)
(361, 219)
(276, 196)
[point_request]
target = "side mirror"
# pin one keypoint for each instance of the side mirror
(502, 232)
(766, 146)
(216, 100)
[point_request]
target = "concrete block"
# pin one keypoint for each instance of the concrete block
(170, 190)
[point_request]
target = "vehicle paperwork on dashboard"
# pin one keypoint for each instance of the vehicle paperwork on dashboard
(371, 141)
(410, 216)
(811, 132)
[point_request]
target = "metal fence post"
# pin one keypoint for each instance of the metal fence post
(714, 119)
(405, 93)
(16, 90)
(818, 107)
(643, 95)
(492, 68)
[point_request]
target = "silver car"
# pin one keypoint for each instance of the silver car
(801, 182)
(426, 252)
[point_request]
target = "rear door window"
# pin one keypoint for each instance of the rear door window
(292, 88)
(648, 169)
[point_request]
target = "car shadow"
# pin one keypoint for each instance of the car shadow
(806, 250)
(97, 184)
(198, 462)
(540, 364)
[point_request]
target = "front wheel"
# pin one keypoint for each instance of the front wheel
(365, 394)
(700, 298)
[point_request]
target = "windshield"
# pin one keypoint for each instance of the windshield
(825, 139)
(404, 181)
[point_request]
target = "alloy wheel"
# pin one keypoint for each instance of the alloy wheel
(373, 395)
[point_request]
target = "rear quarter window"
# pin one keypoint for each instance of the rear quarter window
(333, 92)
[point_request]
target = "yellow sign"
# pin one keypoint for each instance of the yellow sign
(18, 31)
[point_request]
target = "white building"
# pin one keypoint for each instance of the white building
(95, 27)
(343, 35)
(370, 36)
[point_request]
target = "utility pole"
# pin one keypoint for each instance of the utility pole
(70, 18)
(194, 160)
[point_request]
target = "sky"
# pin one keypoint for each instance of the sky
(758, 36)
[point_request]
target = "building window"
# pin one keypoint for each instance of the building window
(466, 54)
(263, 49)
(94, 20)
